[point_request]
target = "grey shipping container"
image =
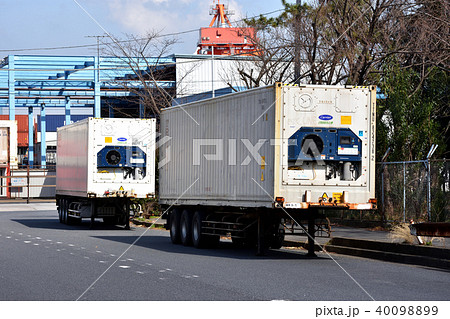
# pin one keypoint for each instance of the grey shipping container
(268, 151)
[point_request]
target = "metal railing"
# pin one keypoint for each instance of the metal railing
(27, 183)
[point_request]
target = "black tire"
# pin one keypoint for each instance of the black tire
(60, 211)
(277, 237)
(186, 228)
(64, 211)
(175, 225)
(199, 240)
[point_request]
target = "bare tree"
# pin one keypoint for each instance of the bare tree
(150, 73)
(343, 41)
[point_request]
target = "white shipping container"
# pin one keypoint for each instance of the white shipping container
(97, 158)
(302, 146)
(8, 143)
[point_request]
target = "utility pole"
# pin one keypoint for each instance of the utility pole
(98, 47)
(297, 46)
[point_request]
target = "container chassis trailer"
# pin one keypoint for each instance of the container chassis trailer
(244, 164)
(102, 164)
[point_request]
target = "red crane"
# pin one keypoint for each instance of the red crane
(223, 39)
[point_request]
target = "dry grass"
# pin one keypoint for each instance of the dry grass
(402, 234)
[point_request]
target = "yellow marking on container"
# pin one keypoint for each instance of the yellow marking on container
(262, 176)
(346, 120)
(338, 197)
(108, 139)
(121, 188)
(263, 162)
(324, 195)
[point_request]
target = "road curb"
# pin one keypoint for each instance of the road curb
(158, 223)
(407, 254)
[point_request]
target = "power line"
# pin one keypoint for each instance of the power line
(125, 41)
(145, 63)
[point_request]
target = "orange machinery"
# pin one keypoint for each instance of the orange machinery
(223, 39)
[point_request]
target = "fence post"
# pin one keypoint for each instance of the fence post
(383, 159)
(404, 192)
(383, 212)
(28, 183)
(430, 153)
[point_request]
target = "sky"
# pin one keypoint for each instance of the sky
(36, 24)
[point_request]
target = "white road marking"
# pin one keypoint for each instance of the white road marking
(140, 272)
(27, 241)
(124, 267)
(36, 244)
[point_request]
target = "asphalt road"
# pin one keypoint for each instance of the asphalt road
(41, 259)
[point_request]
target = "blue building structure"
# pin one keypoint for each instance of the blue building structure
(73, 88)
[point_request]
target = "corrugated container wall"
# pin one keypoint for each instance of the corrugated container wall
(22, 129)
(308, 145)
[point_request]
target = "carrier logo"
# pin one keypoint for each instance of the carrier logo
(122, 139)
(325, 117)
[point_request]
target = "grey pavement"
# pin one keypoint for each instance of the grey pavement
(41, 259)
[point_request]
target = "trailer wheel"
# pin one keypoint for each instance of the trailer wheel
(59, 210)
(198, 239)
(277, 237)
(186, 228)
(175, 226)
(64, 211)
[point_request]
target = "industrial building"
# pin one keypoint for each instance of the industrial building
(55, 90)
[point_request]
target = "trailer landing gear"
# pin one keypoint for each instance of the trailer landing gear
(261, 245)
(311, 235)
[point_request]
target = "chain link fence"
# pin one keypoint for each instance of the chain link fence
(416, 190)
